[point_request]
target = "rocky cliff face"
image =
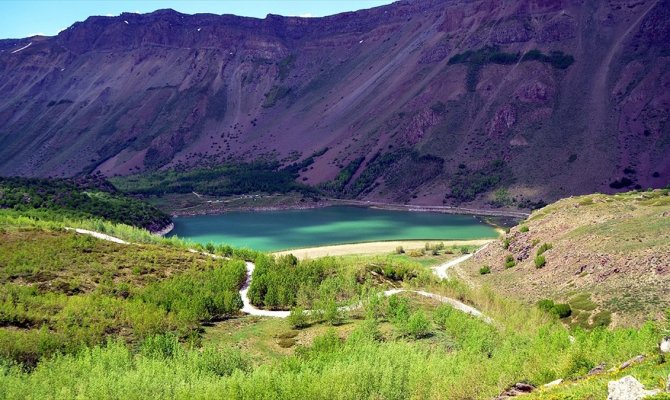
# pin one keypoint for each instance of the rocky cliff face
(447, 100)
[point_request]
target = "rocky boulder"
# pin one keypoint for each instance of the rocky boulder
(628, 388)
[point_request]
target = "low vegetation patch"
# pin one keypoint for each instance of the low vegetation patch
(509, 261)
(88, 197)
(338, 184)
(467, 184)
(282, 283)
(560, 310)
(543, 248)
(476, 59)
(275, 94)
(223, 180)
(436, 355)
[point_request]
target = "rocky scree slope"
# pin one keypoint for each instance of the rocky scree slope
(427, 102)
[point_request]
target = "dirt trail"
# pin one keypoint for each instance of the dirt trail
(98, 235)
(441, 270)
(250, 309)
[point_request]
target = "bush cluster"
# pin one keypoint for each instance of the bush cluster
(561, 310)
(88, 197)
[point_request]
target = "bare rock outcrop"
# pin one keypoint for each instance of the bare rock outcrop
(628, 388)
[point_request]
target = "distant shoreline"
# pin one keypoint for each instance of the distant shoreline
(165, 230)
(362, 203)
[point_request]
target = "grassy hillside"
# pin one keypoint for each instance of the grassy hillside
(60, 290)
(81, 317)
(88, 197)
(607, 256)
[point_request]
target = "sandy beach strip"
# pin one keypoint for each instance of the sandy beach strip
(375, 247)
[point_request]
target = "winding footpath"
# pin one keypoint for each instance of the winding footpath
(98, 235)
(440, 271)
(248, 308)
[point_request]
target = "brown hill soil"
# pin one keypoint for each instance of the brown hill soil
(445, 102)
(609, 257)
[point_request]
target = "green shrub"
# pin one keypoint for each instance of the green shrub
(297, 318)
(545, 305)
(603, 319)
(509, 261)
(397, 310)
(161, 346)
(278, 280)
(220, 362)
(560, 310)
(505, 243)
(366, 332)
(416, 253)
(332, 314)
(417, 325)
(543, 248)
(485, 270)
(374, 305)
(199, 295)
(524, 229)
(540, 261)
(338, 184)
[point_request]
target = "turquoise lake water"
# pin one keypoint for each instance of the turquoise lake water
(291, 229)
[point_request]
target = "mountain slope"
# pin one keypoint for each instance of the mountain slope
(608, 256)
(394, 84)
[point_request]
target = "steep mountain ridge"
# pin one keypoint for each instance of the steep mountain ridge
(134, 93)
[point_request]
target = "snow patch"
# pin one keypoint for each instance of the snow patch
(199, 29)
(360, 42)
(126, 22)
(22, 48)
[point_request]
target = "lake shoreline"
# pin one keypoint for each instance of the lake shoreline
(374, 247)
(337, 225)
(482, 212)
